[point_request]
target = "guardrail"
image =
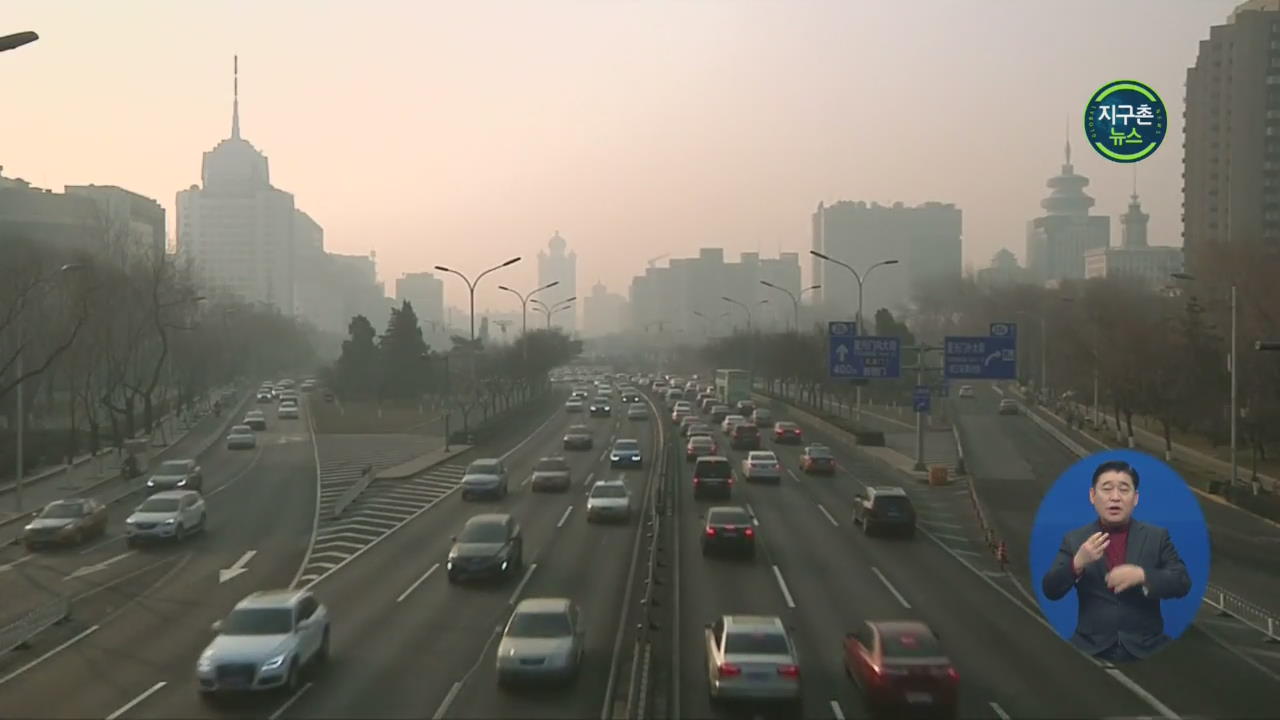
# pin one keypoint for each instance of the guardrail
(955, 432)
(16, 635)
(353, 492)
(1244, 611)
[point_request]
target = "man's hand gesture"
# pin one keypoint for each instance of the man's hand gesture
(1091, 550)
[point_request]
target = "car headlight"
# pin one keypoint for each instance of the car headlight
(151, 483)
(170, 521)
(182, 482)
(274, 662)
(205, 663)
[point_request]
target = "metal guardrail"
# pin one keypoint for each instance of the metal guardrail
(353, 492)
(1244, 611)
(16, 635)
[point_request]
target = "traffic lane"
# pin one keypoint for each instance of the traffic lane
(589, 564)
(383, 608)
(157, 636)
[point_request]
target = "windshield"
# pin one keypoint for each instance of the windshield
(608, 491)
(733, 516)
(787, 426)
(893, 504)
(766, 457)
(626, 445)
(579, 430)
(159, 505)
(821, 453)
(551, 465)
(756, 643)
(241, 430)
(258, 621)
(717, 470)
(483, 532)
(700, 441)
(173, 467)
(483, 468)
(909, 645)
(63, 511)
(539, 625)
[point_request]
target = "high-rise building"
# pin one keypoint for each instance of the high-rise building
(603, 312)
(236, 228)
(688, 295)
(554, 265)
(1231, 161)
(426, 293)
(925, 240)
(1003, 270)
(1134, 259)
(133, 224)
(1057, 241)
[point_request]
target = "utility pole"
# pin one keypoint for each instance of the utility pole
(920, 368)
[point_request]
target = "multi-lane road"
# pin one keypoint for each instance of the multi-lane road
(406, 643)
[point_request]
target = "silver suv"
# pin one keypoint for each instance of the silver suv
(485, 478)
(264, 643)
(168, 515)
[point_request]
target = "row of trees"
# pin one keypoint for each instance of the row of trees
(107, 337)
(399, 367)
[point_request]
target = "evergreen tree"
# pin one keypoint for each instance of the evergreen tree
(402, 351)
(358, 366)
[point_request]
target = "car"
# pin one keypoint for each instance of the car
(328, 396)
(728, 528)
(241, 437)
(168, 515)
(966, 391)
(762, 417)
(817, 460)
(700, 446)
(745, 408)
(679, 414)
(490, 545)
(176, 474)
(682, 405)
(659, 387)
(551, 473)
(706, 404)
(66, 522)
(578, 437)
(673, 396)
(726, 425)
(687, 422)
(625, 452)
(287, 411)
(609, 500)
(265, 396)
(486, 477)
(573, 405)
(761, 465)
(719, 412)
(266, 642)
(752, 657)
(712, 475)
(1008, 406)
(631, 397)
(786, 432)
(901, 668)
(885, 507)
(579, 393)
(255, 419)
(637, 411)
(289, 396)
(744, 436)
(601, 407)
(697, 428)
(543, 642)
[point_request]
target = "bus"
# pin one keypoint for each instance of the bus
(733, 386)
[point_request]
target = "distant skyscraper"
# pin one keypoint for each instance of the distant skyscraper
(557, 265)
(1057, 241)
(426, 293)
(664, 299)
(1003, 270)
(1231, 171)
(1134, 259)
(603, 312)
(237, 228)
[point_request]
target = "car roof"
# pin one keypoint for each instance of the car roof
(579, 428)
(762, 453)
(887, 490)
(488, 518)
(632, 441)
(706, 438)
(727, 509)
(900, 627)
(172, 494)
(543, 605)
(754, 623)
(270, 598)
(712, 458)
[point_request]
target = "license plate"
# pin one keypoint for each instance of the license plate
(919, 697)
(759, 676)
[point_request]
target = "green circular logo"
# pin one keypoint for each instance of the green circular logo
(1125, 121)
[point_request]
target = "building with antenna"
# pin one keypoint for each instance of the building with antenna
(1058, 240)
(555, 264)
(1134, 259)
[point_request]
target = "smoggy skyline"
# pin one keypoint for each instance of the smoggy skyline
(462, 134)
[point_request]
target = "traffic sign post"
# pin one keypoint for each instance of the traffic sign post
(840, 344)
(981, 358)
(920, 399)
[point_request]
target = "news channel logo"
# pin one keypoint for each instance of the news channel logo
(1125, 121)
(1164, 500)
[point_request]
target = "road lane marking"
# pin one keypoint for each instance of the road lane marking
(256, 456)
(892, 589)
(604, 454)
(995, 706)
(129, 705)
(974, 553)
(238, 568)
(833, 520)
(520, 588)
(565, 516)
(1142, 693)
(96, 546)
(957, 538)
(15, 563)
(448, 700)
(289, 703)
(754, 520)
(793, 475)
(84, 633)
(97, 567)
(939, 523)
(782, 584)
(836, 712)
(417, 582)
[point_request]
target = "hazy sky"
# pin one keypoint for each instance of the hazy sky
(462, 133)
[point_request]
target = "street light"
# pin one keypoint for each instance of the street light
(17, 40)
(524, 303)
(550, 310)
(795, 302)
(861, 278)
(1231, 368)
(21, 324)
(471, 287)
(744, 307)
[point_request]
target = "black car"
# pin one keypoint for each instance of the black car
(578, 437)
(818, 459)
(631, 397)
(885, 508)
(490, 545)
(601, 407)
(712, 475)
(745, 408)
(745, 436)
(728, 528)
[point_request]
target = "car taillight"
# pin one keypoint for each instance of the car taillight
(695, 479)
(952, 674)
(790, 671)
(711, 532)
(727, 669)
(730, 479)
(749, 532)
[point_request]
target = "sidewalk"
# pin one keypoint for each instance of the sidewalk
(100, 477)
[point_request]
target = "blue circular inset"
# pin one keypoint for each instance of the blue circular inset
(1125, 121)
(1164, 501)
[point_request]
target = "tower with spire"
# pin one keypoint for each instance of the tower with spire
(557, 265)
(1058, 240)
(1133, 224)
(1135, 259)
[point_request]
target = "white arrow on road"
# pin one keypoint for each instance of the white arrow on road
(238, 568)
(842, 352)
(90, 569)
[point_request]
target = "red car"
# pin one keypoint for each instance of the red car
(787, 432)
(818, 459)
(901, 669)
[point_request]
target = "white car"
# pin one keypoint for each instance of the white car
(266, 642)
(168, 515)
(543, 642)
(609, 500)
(637, 411)
(241, 437)
(730, 421)
(573, 405)
(761, 465)
(287, 411)
(966, 391)
(752, 657)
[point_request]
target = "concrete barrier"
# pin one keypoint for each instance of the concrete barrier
(353, 492)
(16, 635)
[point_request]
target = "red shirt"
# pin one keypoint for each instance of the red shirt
(1116, 548)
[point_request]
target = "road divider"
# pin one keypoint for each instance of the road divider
(17, 634)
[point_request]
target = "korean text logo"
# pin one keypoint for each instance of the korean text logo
(1125, 121)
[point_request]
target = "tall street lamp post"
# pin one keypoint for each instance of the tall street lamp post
(524, 302)
(795, 301)
(1231, 368)
(471, 287)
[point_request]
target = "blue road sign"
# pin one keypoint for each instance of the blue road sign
(981, 358)
(876, 357)
(999, 329)
(840, 336)
(920, 399)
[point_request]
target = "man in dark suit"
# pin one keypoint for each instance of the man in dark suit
(1121, 569)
